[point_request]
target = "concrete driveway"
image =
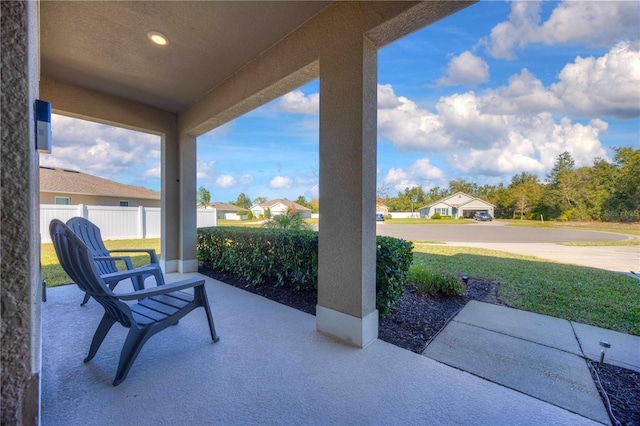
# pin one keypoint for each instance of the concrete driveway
(538, 242)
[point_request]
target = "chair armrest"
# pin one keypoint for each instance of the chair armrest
(129, 273)
(125, 259)
(167, 288)
(150, 252)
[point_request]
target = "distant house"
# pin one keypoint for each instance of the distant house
(279, 207)
(382, 208)
(228, 211)
(65, 186)
(458, 205)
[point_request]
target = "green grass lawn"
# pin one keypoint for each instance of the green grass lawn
(587, 295)
(53, 273)
(252, 222)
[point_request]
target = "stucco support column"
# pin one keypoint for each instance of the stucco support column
(20, 350)
(347, 256)
(170, 203)
(188, 257)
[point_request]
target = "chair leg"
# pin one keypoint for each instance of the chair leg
(135, 340)
(103, 328)
(138, 282)
(202, 294)
(85, 300)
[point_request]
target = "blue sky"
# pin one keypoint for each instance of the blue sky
(497, 89)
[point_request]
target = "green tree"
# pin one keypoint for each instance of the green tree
(564, 164)
(243, 201)
(461, 185)
(561, 190)
(315, 205)
(504, 201)
(416, 197)
(303, 202)
(624, 201)
(526, 192)
(203, 197)
(435, 194)
(259, 200)
(290, 220)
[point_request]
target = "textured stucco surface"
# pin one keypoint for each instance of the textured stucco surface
(20, 250)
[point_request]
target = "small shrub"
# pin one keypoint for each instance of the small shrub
(446, 217)
(389, 216)
(249, 215)
(435, 216)
(433, 282)
(288, 257)
(290, 220)
(393, 260)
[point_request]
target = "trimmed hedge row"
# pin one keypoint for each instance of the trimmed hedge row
(290, 258)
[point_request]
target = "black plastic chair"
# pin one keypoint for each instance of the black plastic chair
(157, 307)
(90, 235)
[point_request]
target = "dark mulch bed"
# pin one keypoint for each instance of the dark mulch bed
(417, 319)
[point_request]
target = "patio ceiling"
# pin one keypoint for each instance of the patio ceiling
(83, 43)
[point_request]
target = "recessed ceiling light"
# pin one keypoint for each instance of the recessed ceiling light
(158, 38)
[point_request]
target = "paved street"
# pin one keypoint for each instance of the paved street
(539, 242)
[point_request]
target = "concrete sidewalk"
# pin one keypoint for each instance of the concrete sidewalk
(538, 355)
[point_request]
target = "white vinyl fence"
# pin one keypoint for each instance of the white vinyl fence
(116, 223)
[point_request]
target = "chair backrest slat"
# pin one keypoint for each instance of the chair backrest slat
(77, 261)
(90, 234)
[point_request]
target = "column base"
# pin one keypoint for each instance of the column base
(358, 332)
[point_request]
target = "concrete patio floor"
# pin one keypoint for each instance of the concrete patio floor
(270, 367)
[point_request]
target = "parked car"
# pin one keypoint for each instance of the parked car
(379, 217)
(482, 216)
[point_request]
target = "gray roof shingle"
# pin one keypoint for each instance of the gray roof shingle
(59, 180)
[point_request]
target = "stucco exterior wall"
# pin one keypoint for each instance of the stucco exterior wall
(93, 200)
(20, 250)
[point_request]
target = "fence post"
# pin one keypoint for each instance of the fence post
(142, 232)
(83, 211)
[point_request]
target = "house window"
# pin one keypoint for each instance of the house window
(124, 203)
(62, 200)
(444, 211)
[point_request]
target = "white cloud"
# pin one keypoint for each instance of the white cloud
(499, 132)
(422, 172)
(604, 86)
(154, 172)
(246, 179)
(589, 22)
(296, 102)
(102, 150)
(225, 181)
(398, 179)
(280, 182)
(406, 124)
(205, 169)
(517, 31)
(593, 22)
(533, 145)
(424, 169)
(386, 97)
(466, 70)
(524, 94)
